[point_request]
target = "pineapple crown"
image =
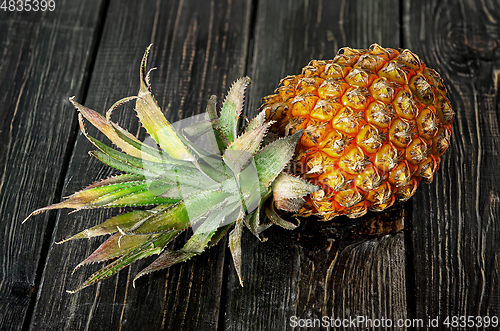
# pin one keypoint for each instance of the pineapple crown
(227, 185)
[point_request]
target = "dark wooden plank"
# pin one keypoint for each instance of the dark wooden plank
(283, 277)
(456, 232)
(315, 272)
(199, 48)
(44, 55)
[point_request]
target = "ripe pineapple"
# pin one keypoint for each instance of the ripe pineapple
(366, 127)
(375, 121)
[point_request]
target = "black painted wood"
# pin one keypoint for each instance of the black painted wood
(199, 48)
(44, 58)
(456, 232)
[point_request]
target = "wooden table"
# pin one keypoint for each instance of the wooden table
(447, 262)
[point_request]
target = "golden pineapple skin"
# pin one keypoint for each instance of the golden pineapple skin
(376, 122)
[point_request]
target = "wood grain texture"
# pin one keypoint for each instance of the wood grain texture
(447, 263)
(199, 48)
(320, 270)
(456, 236)
(283, 278)
(44, 56)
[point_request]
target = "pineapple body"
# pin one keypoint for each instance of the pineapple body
(375, 121)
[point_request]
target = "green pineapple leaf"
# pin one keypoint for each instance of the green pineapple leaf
(119, 222)
(235, 245)
(150, 247)
(115, 246)
(232, 108)
(196, 244)
(273, 158)
(154, 121)
(242, 149)
(257, 121)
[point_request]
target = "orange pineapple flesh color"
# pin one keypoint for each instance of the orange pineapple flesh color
(376, 122)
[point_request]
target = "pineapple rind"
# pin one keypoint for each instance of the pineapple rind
(371, 117)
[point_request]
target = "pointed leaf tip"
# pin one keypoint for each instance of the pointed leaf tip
(273, 158)
(235, 245)
(151, 247)
(165, 260)
(144, 61)
(36, 212)
(105, 126)
(276, 219)
(232, 107)
(287, 186)
(257, 121)
(288, 191)
(242, 149)
(154, 121)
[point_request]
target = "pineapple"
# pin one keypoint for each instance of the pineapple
(357, 133)
(376, 122)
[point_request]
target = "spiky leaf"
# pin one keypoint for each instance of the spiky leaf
(150, 247)
(273, 158)
(155, 122)
(105, 127)
(195, 245)
(115, 246)
(235, 245)
(257, 121)
(276, 219)
(112, 225)
(287, 186)
(231, 109)
(242, 149)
